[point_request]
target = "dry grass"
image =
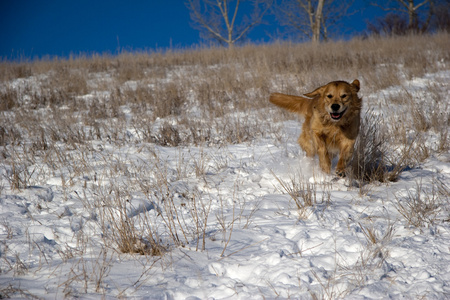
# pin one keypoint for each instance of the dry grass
(424, 207)
(368, 161)
(374, 161)
(14, 292)
(60, 119)
(207, 84)
(213, 96)
(386, 146)
(305, 195)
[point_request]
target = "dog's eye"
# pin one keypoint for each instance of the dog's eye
(343, 96)
(330, 96)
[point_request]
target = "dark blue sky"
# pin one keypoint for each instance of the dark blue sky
(35, 28)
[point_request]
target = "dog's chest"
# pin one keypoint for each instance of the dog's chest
(333, 138)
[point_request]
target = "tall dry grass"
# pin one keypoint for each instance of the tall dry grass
(53, 112)
(71, 118)
(199, 84)
(204, 96)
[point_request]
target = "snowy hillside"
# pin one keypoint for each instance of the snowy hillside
(149, 187)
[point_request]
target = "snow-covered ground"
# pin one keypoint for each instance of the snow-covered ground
(225, 223)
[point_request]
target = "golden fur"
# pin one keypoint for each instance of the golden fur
(332, 117)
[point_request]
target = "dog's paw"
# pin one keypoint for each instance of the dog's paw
(340, 173)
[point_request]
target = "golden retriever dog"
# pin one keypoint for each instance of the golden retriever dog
(332, 116)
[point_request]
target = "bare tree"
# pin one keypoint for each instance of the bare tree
(441, 12)
(391, 24)
(315, 24)
(410, 7)
(311, 18)
(217, 19)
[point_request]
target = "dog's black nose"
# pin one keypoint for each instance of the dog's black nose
(335, 107)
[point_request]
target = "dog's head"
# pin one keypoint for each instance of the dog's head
(337, 98)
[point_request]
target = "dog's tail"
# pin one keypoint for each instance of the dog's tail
(296, 104)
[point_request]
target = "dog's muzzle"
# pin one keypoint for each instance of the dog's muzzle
(335, 114)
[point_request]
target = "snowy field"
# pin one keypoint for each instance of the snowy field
(255, 219)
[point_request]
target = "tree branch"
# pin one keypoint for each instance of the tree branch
(421, 4)
(219, 25)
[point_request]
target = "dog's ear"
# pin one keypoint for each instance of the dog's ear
(316, 92)
(355, 85)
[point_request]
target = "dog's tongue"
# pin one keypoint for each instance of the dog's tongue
(335, 116)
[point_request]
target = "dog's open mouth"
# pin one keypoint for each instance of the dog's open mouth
(337, 116)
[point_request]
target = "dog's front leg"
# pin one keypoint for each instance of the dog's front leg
(344, 157)
(306, 142)
(322, 151)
